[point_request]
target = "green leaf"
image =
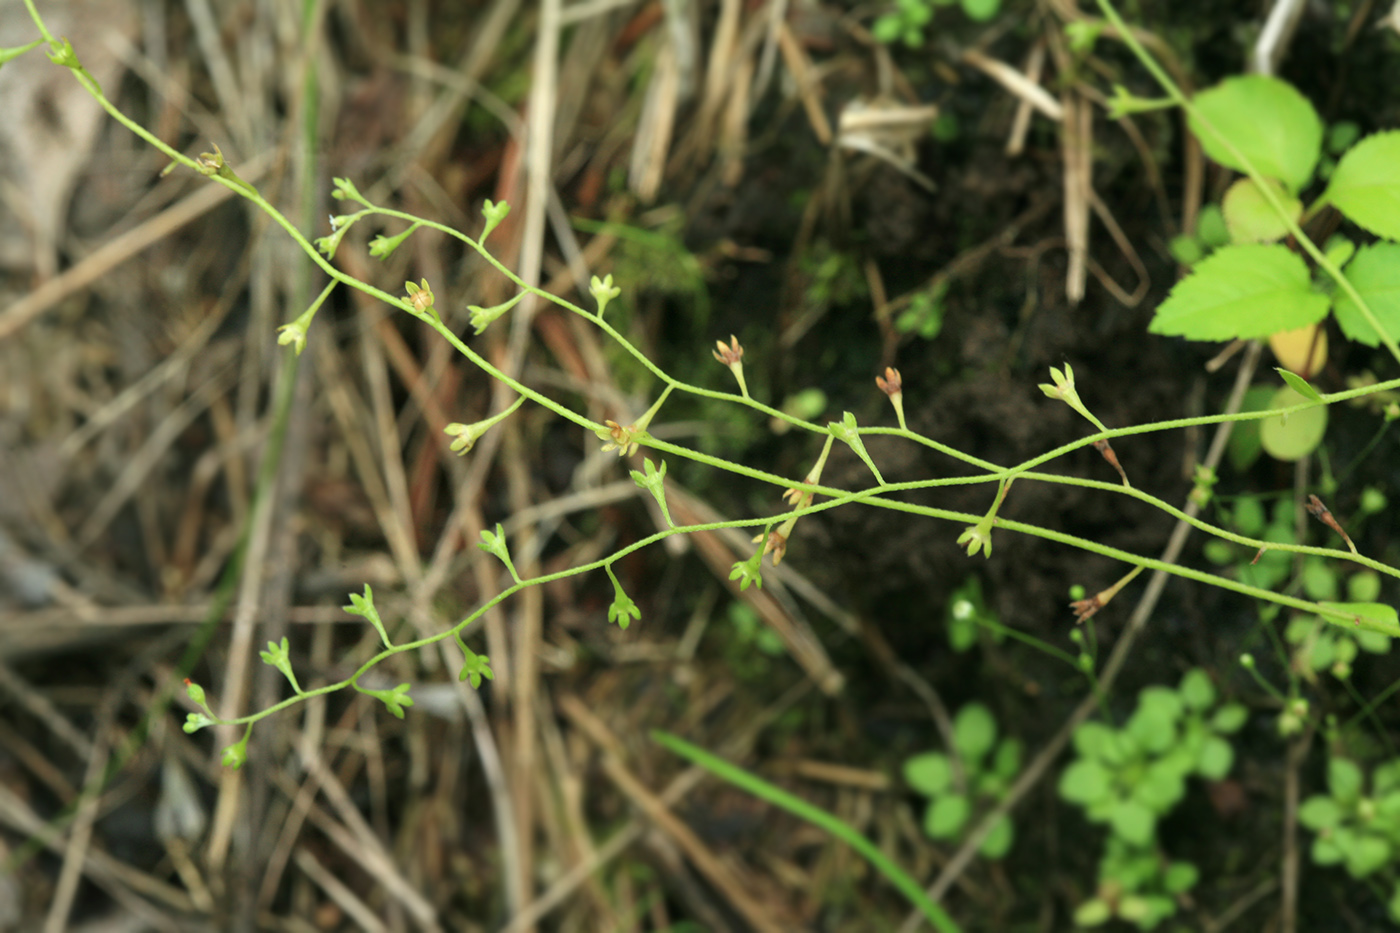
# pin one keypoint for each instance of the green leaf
(1180, 877)
(981, 10)
(1365, 186)
(1093, 912)
(1241, 291)
(1299, 435)
(1344, 780)
(1378, 617)
(1211, 228)
(1197, 691)
(946, 816)
(929, 774)
(1160, 789)
(1270, 124)
(10, 54)
(974, 731)
(1217, 757)
(1093, 740)
(1085, 782)
(1133, 823)
(1325, 851)
(1006, 764)
(999, 839)
(1375, 274)
(1319, 812)
(1229, 718)
(1300, 385)
(1251, 218)
(1367, 854)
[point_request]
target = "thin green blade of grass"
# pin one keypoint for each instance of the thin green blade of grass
(817, 817)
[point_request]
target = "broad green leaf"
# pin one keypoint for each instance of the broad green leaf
(974, 731)
(1344, 780)
(929, 774)
(1368, 854)
(946, 816)
(1196, 690)
(1319, 812)
(1133, 823)
(1216, 759)
(998, 841)
(1378, 617)
(1229, 718)
(1365, 185)
(1375, 274)
(1251, 218)
(1296, 436)
(1241, 291)
(1180, 877)
(981, 10)
(1269, 123)
(1085, 782)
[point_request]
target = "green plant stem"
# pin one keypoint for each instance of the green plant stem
(818, 817)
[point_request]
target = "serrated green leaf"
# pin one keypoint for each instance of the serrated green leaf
(1375, 274)
(1270, 124)
(1244, 292)
(1365, 186)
